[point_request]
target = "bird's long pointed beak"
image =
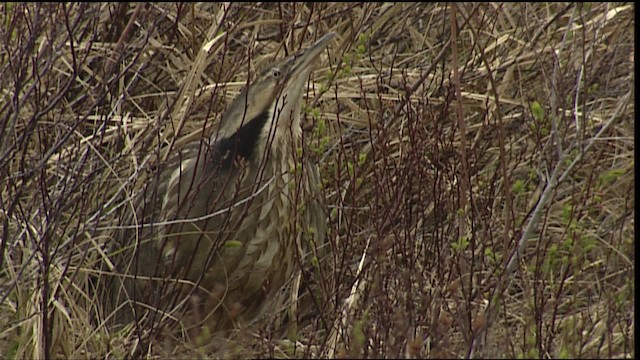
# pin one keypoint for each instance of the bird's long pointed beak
(305, 58)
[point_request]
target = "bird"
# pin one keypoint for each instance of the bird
(239, 211)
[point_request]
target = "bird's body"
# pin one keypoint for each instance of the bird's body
(237, 209)
(242, 248)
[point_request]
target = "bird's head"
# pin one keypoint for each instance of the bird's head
(271, 103)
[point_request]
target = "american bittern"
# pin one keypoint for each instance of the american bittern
(238, 210)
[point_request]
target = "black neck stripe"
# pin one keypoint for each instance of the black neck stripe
(243, 143)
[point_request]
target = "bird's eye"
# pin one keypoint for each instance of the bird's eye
(275, 73)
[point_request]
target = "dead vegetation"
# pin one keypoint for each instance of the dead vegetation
(477, 161)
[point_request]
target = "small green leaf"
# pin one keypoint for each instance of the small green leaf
(461, 244)
(350, 168)
(362, 158)
(610, 176)
(537, 110)
(518, 186)
(232, 244)
(346, 70)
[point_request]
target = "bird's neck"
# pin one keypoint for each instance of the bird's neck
(283, 132)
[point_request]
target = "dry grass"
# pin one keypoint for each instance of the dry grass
(477, 163)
